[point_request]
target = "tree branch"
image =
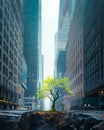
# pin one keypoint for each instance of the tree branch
(59, 96)
(50, 98)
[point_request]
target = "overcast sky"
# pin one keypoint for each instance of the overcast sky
(50, 10)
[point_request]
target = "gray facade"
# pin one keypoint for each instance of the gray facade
(11, 42)
(74, 58)
(85, 56)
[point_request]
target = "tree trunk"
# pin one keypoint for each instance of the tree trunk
(53, 106)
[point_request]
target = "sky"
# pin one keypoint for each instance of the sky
(50, 10)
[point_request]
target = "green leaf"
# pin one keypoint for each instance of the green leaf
(51, 87)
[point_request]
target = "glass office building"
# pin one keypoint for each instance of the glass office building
(31, 18)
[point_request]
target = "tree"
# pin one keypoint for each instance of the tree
(54, 88)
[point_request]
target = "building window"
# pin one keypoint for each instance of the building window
(5, 47)
(81, 78)
(11, 35)
(6, 36)
(10, 65)
(0, 27)
(7, 5)
(0, 53)
(6, 13)
(15, 70)
(5, 71)
(102, 73)
(1, 14)
(15, 61)
(4, 58)
(15, 80)
(0, 66)
(4, 83)
(97, 76)
(0, 40)
(81, 94)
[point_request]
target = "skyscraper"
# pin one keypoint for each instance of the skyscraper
(61, 37)
(74, 57)
(65, 15)
(94, 52)
(31, 17)
(85, 55)
(66, 9)
(11, 42)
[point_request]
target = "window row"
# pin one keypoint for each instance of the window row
(5, 82)
(6, 24)
(1, 13)
(6, 37)
(5, 59)
(93, 46)
(0, 27)
(93, 63)
(92, 79)
(11, 87)
(79, 95)
(77, 81)
(92, 33)
(5, 71)
(5, 46)
(0, 40)
(11, 55)
(6, 13)
(76, 70)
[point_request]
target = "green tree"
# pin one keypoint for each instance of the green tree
(54, 88)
